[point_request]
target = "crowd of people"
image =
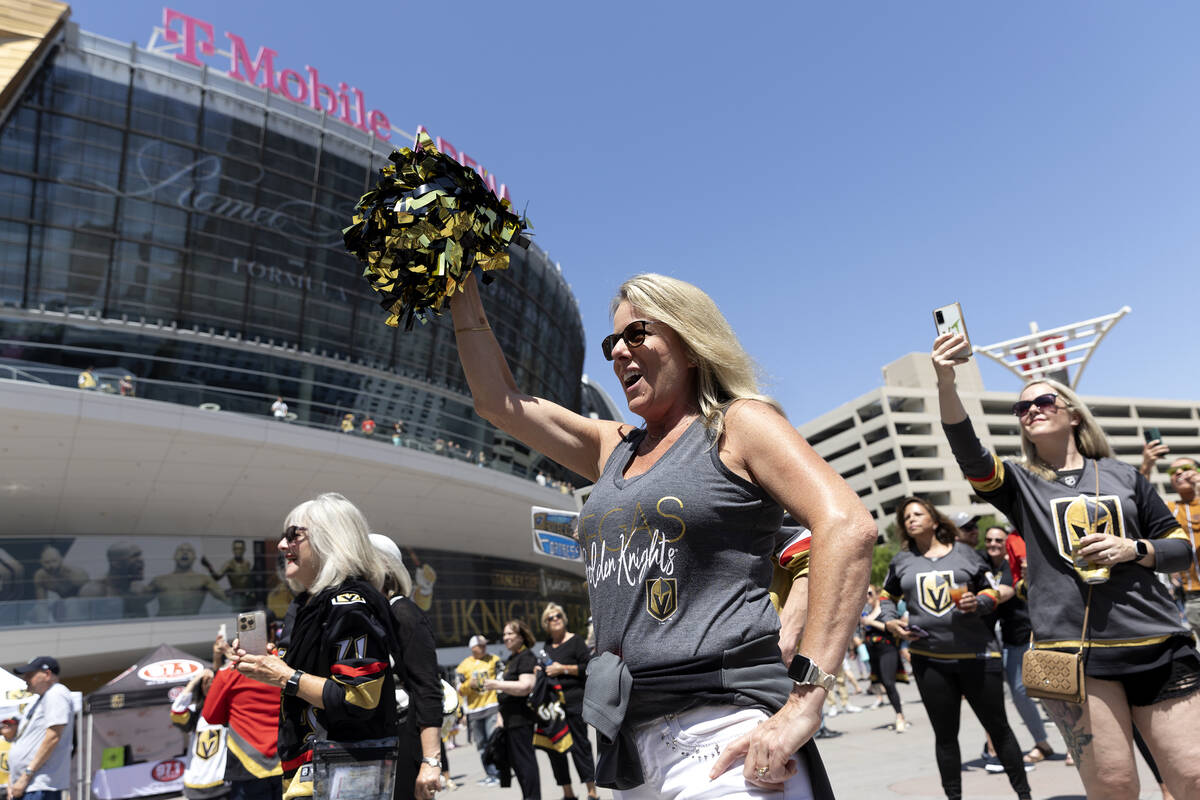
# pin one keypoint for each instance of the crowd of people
(728, 566)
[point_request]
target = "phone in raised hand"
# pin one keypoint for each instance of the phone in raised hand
(949, 319)
(252, 632)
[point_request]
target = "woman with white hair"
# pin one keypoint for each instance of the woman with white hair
(1095, 531)
(334, 673)
(418, 766)
(677, 536)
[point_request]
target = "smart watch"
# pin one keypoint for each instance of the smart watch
(1139, 546)
(293, 684)
(806, 673)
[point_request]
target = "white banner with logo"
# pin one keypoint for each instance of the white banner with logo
(139, 780)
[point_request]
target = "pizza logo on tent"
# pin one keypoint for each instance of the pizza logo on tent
(167, 771)
(173, 670)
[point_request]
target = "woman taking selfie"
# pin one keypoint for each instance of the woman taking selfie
(336, 680)
(954, 656)
(1095, 532)
(677, 536)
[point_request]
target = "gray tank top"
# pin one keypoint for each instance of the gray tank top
(679, 558)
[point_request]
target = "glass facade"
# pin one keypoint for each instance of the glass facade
(157, 220)
(65, 580)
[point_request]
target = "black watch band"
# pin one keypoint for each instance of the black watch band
(293, 684)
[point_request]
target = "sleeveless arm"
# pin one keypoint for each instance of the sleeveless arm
(577, 442)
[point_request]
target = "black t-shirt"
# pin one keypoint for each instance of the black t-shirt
(514, 710)
(572, 651)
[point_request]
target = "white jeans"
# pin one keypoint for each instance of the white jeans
(678, 750)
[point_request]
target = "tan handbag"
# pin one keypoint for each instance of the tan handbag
(1052, 675)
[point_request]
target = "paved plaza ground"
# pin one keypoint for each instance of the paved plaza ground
(868, 762)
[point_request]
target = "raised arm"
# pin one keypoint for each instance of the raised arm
(577, 442)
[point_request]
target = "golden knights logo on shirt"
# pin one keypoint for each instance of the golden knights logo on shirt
(208, 742)
(347, 598)
(662, 598)
(1076, 517)
(933, 591)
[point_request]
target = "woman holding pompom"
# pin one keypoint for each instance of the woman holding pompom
(677, 537)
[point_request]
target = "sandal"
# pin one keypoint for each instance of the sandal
(1039, 753)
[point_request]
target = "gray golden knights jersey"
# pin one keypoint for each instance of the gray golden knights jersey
(925, 585)
(1132, 609)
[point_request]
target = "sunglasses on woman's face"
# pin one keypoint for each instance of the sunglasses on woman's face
(634, 334)
(554, 618)
(292, 533)
(1180, 468)
(1042, 401)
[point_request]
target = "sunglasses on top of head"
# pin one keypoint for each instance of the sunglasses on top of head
(292, 533)
(1042, 401)
(634, 334)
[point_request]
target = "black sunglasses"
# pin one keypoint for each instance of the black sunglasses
(1021, 407)
(634, 334)
(292, 533)
(553, 617)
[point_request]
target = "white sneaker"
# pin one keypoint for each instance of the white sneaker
(853, 709)
(832, 712)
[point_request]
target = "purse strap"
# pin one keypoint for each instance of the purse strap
(1087, 608)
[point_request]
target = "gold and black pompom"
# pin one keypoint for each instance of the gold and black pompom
(424, 226)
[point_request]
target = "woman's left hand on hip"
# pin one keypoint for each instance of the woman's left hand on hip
(770, 749)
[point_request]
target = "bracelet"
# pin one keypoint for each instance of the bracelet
(472, 330)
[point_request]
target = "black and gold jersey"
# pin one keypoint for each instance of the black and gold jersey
(929, 586)
(1132, 608)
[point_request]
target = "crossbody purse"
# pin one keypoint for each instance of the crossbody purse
(1053, 675)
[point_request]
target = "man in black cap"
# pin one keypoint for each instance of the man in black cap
(40, 759)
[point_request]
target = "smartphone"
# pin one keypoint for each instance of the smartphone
(1152, 434)
(918, 631)
(252, 632)
(949, 319)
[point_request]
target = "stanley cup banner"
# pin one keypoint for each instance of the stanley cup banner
(554, 533)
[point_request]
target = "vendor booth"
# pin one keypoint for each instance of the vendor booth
(132, 749)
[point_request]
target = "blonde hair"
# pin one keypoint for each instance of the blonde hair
(1090, 440)
(724, 371)
(553, 608)
(337, 533)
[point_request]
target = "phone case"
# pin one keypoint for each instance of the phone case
(252, 632)
(949, 319)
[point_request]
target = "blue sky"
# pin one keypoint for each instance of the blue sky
(829, 173)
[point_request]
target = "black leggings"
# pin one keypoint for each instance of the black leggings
(943, 685)
(523, 762)
(581, 754)
(885, 660)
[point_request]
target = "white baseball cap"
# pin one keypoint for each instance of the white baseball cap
(478, 641)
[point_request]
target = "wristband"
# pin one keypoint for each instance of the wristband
(293, 684)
